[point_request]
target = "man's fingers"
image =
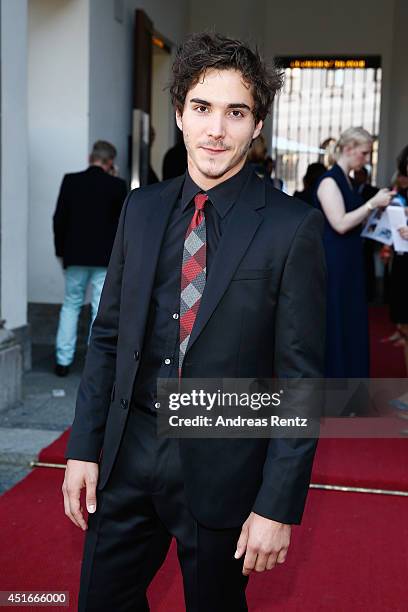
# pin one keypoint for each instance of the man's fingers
(282, 555)
(67, 506)
(271, 562)
(249, 561)
(242, 542)
(72, 504)
(261, 561)
(76, 512)
(79, 474)
(91, 494)
(274, 558)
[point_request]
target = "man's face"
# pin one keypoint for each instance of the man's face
(218, 125)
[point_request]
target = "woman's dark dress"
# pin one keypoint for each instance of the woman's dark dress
(347, 347)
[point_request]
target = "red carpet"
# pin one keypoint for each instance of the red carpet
(54, 453)
(378, 463)
(350, 554)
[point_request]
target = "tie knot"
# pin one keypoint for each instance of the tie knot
(199, 201)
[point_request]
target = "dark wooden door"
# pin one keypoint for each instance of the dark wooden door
(142, 89)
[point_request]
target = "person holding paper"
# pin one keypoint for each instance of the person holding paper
(347, 348)
(399, 269)
(404, 327)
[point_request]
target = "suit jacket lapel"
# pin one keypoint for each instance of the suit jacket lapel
(154, 231)
(234, 242)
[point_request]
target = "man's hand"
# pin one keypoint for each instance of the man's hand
(79, 474)
(265, 541)
(403, 231)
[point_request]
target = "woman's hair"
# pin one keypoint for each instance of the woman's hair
(402, 161)
(354, 136)
(207, 50)
(313, 173)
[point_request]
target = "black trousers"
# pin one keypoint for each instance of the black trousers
(141, 507)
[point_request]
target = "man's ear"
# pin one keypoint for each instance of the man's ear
(257, 130)
(179, 120)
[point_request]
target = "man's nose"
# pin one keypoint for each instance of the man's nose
(216, 126)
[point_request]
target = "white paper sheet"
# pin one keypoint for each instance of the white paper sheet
(378, 227)
(397, 218)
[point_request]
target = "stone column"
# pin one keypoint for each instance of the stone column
(13, 200)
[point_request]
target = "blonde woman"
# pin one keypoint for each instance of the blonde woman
(347, 348)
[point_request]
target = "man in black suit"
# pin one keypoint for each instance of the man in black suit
(85, 223)
(214, 274)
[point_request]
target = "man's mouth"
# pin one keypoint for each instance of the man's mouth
(212, 151)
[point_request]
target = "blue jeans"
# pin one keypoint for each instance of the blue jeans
(76, 282)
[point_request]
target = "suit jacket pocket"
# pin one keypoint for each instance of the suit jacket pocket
(251, 274)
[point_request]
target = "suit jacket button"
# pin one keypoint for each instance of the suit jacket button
(136, 355)
(124, 403)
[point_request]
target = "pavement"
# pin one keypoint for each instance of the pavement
(47, 409)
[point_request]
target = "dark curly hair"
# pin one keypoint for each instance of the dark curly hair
(207, 50)
(402, 161)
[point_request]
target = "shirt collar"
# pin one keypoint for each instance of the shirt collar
(93, 168)
(189, 191)
(222, 196)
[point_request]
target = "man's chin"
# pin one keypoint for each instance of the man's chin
(215, 171)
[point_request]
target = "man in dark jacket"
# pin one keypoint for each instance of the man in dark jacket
(85, 223)
(213, 274)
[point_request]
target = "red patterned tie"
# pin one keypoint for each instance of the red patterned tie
(193, 273)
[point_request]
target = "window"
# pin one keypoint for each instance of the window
(321, 98)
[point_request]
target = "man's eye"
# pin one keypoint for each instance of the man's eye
(201, 109)
(236, 114)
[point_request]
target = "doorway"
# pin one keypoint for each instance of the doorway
(153, 122)
(321, 97)
(162, 120)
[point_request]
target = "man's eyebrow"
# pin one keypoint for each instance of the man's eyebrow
(199, 101)
(239, 105)
(233, 105)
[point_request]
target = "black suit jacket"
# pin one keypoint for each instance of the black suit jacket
(86, 217)
(262, 313)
